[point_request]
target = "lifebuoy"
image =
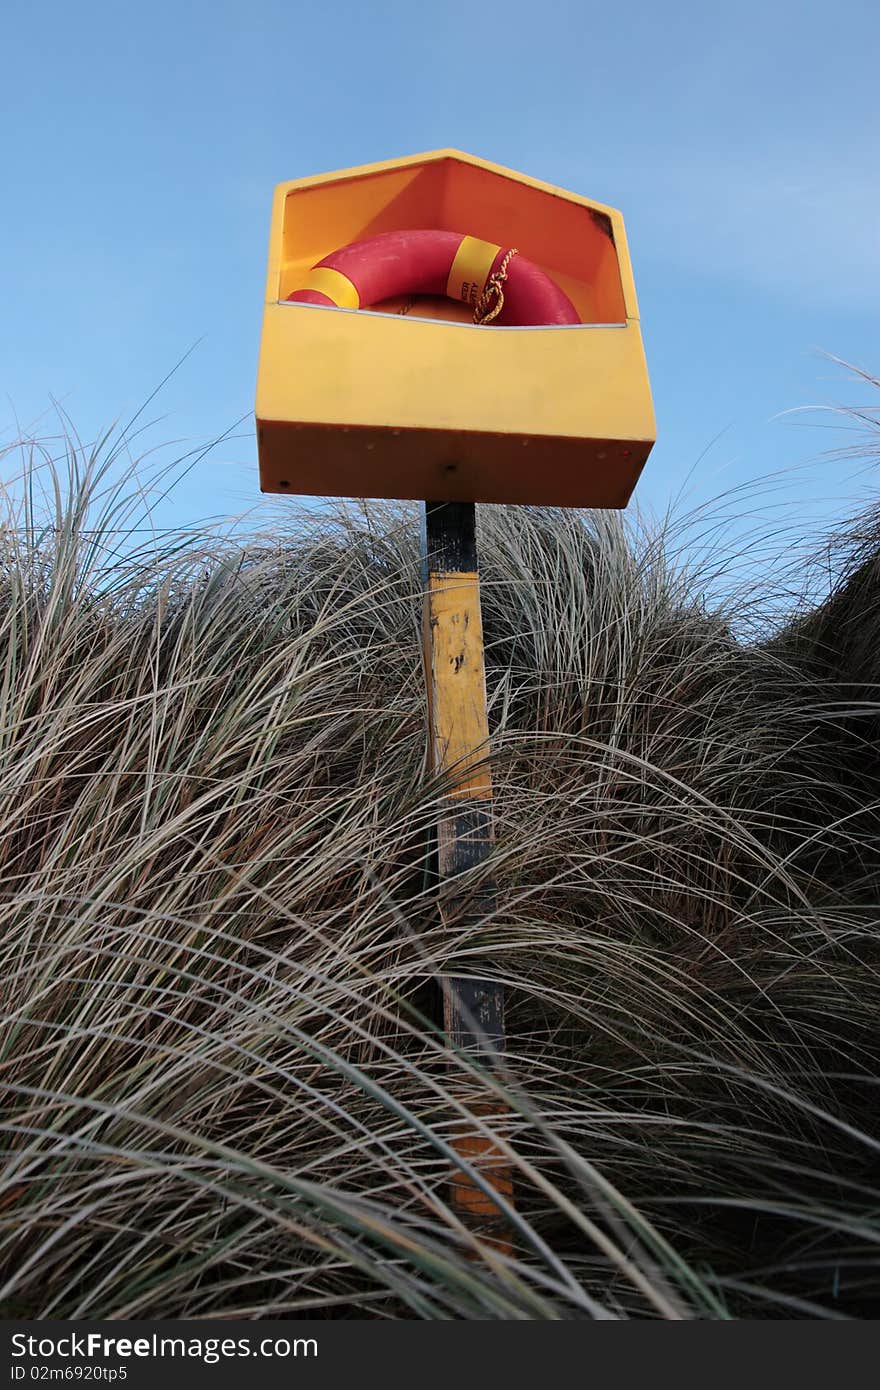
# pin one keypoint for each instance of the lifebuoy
(436, 263)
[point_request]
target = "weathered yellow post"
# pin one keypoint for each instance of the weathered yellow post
(458, 734)
(378, 377)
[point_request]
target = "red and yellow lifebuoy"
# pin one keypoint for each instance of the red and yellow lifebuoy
(436, 263)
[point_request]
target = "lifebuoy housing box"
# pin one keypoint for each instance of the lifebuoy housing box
(409, 398)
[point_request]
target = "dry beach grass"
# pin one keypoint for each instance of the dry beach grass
(222, 1091)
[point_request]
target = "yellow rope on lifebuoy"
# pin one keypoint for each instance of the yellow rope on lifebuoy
(494, 287)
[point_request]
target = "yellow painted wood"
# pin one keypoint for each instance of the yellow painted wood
(456, 676)
(458, 733)
(555, 415)
(346, 368)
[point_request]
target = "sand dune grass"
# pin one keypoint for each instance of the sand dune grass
(223, 1093)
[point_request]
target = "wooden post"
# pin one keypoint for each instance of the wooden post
(458, 740)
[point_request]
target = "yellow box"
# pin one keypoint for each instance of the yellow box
(425, 404)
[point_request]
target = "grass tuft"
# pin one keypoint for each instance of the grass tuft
(223, 1095)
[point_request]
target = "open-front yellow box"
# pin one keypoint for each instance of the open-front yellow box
(412, 399)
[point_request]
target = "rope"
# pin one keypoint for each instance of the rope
(493, 289)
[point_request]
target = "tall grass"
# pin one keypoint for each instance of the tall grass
(224, 1094)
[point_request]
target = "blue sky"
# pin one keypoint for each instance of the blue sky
(141, 145)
